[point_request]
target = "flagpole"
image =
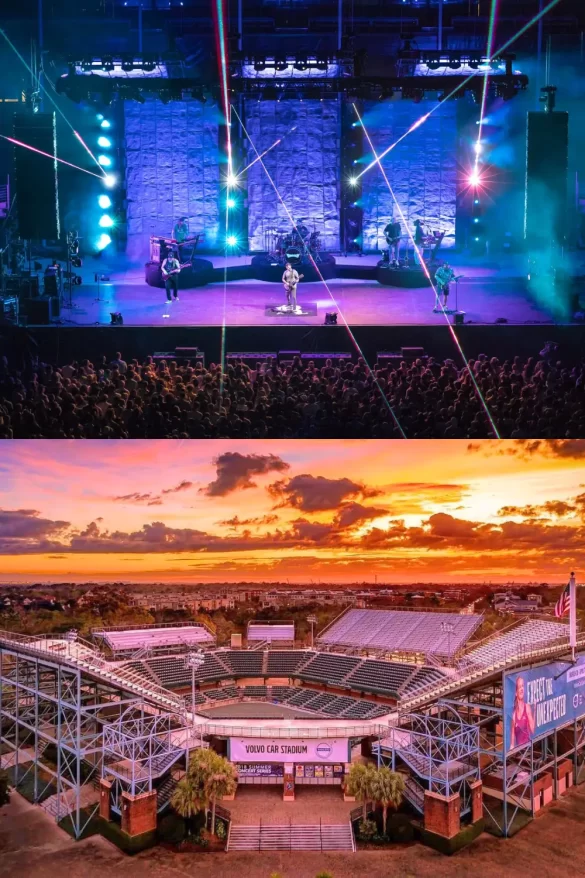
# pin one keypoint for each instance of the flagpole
(572, 615)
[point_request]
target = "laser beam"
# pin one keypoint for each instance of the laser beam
(461, 85)
(427, 273)
(490, 46)
(325, 284)
(49, 156)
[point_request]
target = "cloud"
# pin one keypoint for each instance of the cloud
(316, 493)
(27, 524)
(351, 514)
(558, 508)
(236, 522)
(148, 499)
(235, 471)
(182, 486)
(569, 449)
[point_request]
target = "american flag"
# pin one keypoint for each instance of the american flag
(563, 603)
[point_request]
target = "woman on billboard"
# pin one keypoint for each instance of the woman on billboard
(522, 725)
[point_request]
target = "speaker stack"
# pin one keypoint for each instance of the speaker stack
(37, 202)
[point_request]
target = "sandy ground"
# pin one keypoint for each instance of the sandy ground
(552, 845)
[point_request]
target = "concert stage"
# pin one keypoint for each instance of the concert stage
(488, 294)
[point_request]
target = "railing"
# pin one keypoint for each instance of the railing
(362, 731)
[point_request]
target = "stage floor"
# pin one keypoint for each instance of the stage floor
(487, 294)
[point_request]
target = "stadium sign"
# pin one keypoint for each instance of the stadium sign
(288, 750)
(539, 700)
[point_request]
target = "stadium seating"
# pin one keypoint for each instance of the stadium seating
(266, 631)
(400, 631)
(531, 633)
(254, 691)
(421, 679)
(243, 662)
(284, 663)
(378, 676)
(152, 638)
(328, 668)
(170, 671)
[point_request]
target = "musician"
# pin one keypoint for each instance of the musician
(181, 234)
(171, 269)
(290, 279)
(419, 240)
(392, 233)
(443, 277)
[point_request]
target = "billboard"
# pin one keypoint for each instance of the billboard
(289, 750)
(260, 769)
(539, 700)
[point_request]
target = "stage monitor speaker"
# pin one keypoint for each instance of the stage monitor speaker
(37, 201)
(319, 358)
(250, 358)
(40, 312)
(547, 161)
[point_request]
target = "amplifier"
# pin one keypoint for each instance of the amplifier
(320, 357)
(389, 358)
(250, 358)
(196, 357)
(40, 311)
(413, 353)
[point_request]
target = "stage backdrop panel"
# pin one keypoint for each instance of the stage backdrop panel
(304, 167)
(172, 170)
(422, 169)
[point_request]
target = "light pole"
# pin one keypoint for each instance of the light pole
(448, 628)
(312, 620)
(194, 660)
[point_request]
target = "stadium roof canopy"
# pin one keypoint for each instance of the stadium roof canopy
(401, 631)
(270, 631)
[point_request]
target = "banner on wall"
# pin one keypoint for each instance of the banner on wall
(260, 769)
(289, 750)
(539, 700)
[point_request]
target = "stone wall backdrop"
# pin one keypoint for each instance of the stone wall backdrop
(422, 170)
(172, 170)
(304, 167)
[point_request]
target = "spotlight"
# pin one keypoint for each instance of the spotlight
(108, 63)
(100, 117)
(232, 179)
(230, 202)
(105, 123)
(104, 201)
(105, 161)
(477, 147)
(475, 219)
(321, 64)
(455, 62)
(476, 200)
(86, 63)
(103, 241)
(127, 64)
(301, 64)
(116, 318)
(105, 142)
(280, 64)
(331, 319)
(148, 65)
(110, 180)
(259, 65)
(474, 179)
(353, 181)
(106, 222)
(231, 240)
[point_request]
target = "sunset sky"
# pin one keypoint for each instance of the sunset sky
(200, 511)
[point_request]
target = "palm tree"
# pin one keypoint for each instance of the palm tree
(359, 783)
(387, 790)
(222, 781)
(188, 799)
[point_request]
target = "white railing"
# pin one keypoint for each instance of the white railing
(294, 731)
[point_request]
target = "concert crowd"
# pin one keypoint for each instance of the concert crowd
(531, 398)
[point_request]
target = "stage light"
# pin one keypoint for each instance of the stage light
(105, 161)
(106, 221)
(474, 179)
(280, 64)
(230, 202)
(105, 123)
(103, 241)
(353, 181)
(259, 65)
(475, 219)
(476, 200)
(476, 239)
(231, 179)
(110, 180)
(108, 63)
(100, 117)
(477, 147)
(231, 240)
(105, 142)
(76, 261)
(104, 201)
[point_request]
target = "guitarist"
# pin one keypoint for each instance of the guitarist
(443, 276)
(290, 280)
(170, 271)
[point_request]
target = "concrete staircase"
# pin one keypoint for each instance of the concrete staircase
(291, 837)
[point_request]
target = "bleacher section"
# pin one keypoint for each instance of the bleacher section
(328, 668)
(243, 663)
(271, 632)
(333, 706)
(394, 631)
(152, 638)
(383, 677)
(421, 679)
(284, 663)
(532, 633)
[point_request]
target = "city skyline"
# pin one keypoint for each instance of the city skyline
(264, 510)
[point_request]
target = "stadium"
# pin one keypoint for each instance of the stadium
(106, 726)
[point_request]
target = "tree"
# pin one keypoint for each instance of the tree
(359, 783)
(222, 781)
(387, 790)
(210, 776)
(188, 799)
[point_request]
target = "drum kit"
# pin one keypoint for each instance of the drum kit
(296, 245)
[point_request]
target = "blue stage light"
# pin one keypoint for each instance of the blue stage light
(100, 117)
(105, 161)
(476, 200)
(110, 180)
(353, 181)
(105, 123)
(230, 202)
(106, 221)
(232, 240)
(104, 201)
(476, 219)
(103, 241)
(105, 142)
